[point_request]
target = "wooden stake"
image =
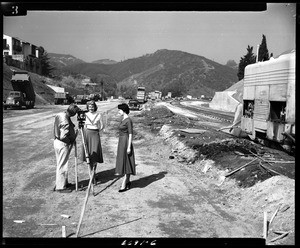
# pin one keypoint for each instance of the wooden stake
(266, 162)
(230, 173)
(265, 231)
(261, 159)
(63, 231)
(268, 169)
(274, 214)
(222, 178)
(280, 236)
(85, 202)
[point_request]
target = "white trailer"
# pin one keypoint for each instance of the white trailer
(269, 99)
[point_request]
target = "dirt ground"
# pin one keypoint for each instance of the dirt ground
(222, 153)
(178, 191)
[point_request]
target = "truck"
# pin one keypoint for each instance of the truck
(154, 95)
(141, 95)
(81, 99)
(95, 96)
(62, 98)
(158, 94)
(22, 94)
(269, 100)
(134, 104)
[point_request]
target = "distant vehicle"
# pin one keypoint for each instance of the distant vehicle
(158, 94)
(151, 95)
(269, 100)
(95, 96)
(141, 95)
(81, 99)
(23, 92)
(134, 104)
(62, 98)
(154, 95)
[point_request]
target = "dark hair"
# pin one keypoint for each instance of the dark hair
(73, 109)
(91, 102)
(124, 107)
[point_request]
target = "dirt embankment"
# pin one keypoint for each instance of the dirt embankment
(266, 183)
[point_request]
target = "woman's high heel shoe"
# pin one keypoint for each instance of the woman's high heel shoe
(127, 187)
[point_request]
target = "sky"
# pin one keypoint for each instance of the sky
(121, 35)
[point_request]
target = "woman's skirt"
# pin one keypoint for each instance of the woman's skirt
(93, 145)
(125, 163)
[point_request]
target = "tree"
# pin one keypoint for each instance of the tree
(231, 63)
(46, 68)
(263, 53)
(86, 88)
(176, 87)
(102, 89)
(248, 59)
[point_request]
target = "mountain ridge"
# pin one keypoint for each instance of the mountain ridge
(166, 70)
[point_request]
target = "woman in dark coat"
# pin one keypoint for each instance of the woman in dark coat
(125, 162)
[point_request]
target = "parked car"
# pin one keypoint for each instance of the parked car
(134, 104)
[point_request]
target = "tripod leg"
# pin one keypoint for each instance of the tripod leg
(87, 157)
(91, 178)
(94, 172)
(76, 176)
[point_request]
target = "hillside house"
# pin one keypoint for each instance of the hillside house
(18, 48)
(21, 54)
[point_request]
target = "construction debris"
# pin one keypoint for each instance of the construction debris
(282, 162)
(207, 165)
(279, 237)
(192, 130)
(222, 178)
(279, 232)
(65, 216)
(19, 221)
(239, 153)
(268, 169)
(284, 208)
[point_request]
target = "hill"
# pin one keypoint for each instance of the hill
(105, 62)
(61, 60)
(165, 70)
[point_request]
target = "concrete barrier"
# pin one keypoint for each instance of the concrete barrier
(224, 101)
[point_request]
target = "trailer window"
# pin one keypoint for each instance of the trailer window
(248, 108)
(14, 93)
(277, 111)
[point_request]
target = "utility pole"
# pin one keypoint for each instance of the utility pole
(257, 53)
(102, 90)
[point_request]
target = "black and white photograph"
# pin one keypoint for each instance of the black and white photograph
(133, 124)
